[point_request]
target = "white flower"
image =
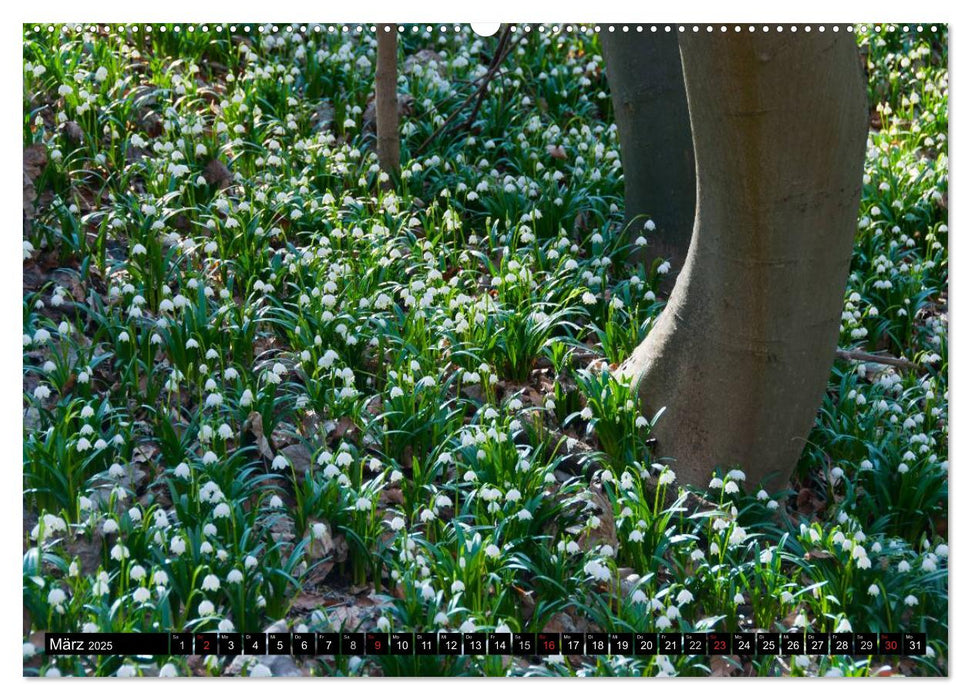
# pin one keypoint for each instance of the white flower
(397, 523)
(206, 608)
(910, 601)
(873, 590)
(492, 551)
(210, 583)
(844, 626)
(260, 671)
(168, 671)
(226, 626)
(685, 597)
(141, 594)
(56, 597)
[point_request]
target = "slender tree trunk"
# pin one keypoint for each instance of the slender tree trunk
(740, 356)
(386, 100)
(651, 113)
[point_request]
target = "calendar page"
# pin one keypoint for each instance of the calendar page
(516, 349)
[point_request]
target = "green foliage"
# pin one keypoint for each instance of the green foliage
(255, 380)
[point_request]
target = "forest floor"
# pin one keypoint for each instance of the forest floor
(260, 388)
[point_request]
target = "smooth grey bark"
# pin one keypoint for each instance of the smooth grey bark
(651, 112)
(386, 100)
(740, 356)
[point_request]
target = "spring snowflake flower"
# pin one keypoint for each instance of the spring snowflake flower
(206, 608)
(210, 583)
(56, 597)
(119, 552)
(177, 545)
(844, 626)
(168, 671)
(911, 601)
(873, 590)
(260, 671)
(141, 595)
(684, 597)
(279, 463)
(397, 523)
(492, 551)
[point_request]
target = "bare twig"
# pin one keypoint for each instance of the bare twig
(501, 51)
(861, 356)
(500, 55)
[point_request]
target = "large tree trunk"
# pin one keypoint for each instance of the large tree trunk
(386, 100)
(740, 356)
(651, 113)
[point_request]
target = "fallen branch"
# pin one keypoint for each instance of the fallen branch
(861, 356)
